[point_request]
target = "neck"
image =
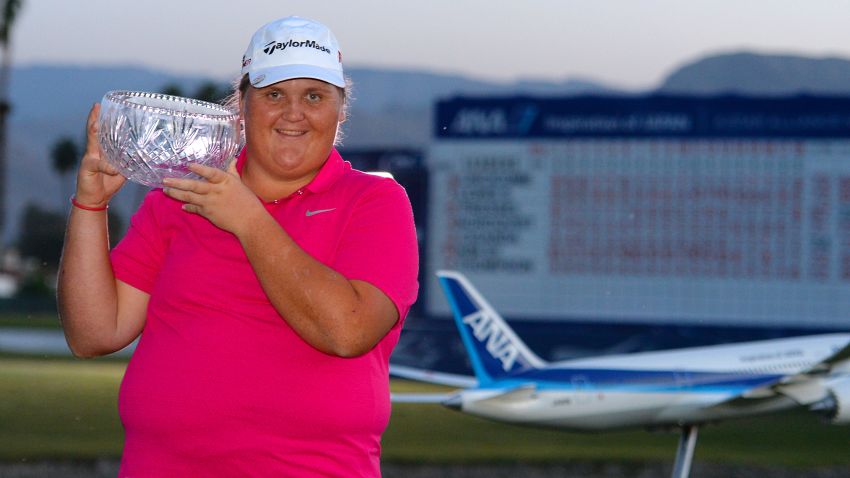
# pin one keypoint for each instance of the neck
(266, 187)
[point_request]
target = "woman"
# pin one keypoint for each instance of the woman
(268, 297)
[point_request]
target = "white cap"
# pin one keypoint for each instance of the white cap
(293, 47)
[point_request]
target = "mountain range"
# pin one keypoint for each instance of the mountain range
(391, 108)
(748, 73)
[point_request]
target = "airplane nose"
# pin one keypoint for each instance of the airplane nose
(454, 402)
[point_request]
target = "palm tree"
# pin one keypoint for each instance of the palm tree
(65, 153)
(212, 92)
(172, 89)
(10, 14)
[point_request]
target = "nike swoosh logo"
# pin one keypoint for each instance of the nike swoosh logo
(318, 211)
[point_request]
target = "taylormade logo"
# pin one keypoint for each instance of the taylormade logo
(271, 47)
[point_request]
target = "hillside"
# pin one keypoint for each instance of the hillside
(758, 74)
(391, 108)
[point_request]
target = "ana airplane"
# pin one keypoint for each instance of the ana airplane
(681, 388)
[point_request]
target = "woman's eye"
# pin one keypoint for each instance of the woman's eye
(314, 97)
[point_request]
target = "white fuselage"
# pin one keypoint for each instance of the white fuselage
(660, 388)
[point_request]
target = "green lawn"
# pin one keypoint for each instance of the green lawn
(54, 408)
(38, 320)
(66, 409)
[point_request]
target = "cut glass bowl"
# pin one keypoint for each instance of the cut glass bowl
(149, 136)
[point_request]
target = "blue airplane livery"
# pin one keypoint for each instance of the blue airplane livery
(682, 388)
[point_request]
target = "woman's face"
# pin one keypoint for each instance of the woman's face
(290, 127)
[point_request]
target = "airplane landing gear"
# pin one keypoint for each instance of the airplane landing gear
(685, 451)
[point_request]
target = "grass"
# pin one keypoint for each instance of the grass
(792, 440)
(36, 320)
(66, 409)
(59, 409)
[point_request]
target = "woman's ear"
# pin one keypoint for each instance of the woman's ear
(343, 108)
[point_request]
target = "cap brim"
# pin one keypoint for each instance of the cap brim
(268, 76)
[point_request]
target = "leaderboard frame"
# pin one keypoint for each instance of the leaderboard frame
(647, 209)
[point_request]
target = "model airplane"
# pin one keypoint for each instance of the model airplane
(682, 388)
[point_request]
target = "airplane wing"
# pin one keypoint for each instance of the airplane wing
(804, 387)
(826, 364)
(432, 376)
(428, 376)
(420, 397)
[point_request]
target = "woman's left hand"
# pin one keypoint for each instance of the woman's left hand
(223, 199)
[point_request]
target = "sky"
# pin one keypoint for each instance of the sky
(622, 43)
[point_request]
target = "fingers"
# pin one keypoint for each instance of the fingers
(105, 167)
(196, 193)
(211, 174)
(187, 185)
(193, 194)
(92, 142)
(97, 179)
(93, 165)
(182, 195)
(93, 160)
(193, 208)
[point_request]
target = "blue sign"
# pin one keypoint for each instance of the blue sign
(644, 116)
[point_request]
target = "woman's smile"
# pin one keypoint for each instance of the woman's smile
(291, 132)
(290, 127)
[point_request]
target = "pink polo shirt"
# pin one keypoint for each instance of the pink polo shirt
(219, 384)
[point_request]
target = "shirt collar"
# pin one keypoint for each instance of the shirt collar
(332, 170)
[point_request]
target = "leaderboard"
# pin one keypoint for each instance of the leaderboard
(723, 210)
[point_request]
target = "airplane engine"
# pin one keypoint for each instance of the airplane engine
(836, 406)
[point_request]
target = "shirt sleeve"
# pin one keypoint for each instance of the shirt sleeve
(379, 244)
(138, 257)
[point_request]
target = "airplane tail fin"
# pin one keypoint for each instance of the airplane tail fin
(494, 349)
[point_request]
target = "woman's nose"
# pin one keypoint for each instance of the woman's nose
(293, 110)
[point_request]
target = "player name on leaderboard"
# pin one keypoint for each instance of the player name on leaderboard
(729, 210)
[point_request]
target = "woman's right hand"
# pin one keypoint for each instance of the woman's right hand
(97, 180)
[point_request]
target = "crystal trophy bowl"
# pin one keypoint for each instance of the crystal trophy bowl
(149, 137)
